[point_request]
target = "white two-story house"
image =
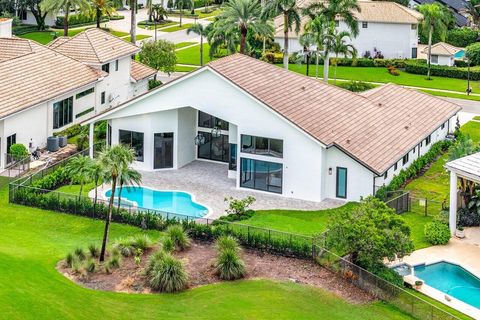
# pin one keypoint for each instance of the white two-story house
(385, 27)
(46, 89)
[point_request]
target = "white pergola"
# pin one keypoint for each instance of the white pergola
(467, 168)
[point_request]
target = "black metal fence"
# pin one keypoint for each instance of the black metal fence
(15, 167)
(21, 192)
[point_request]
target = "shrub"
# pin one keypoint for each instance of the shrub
(393, 71)
(437, 233)
(18, 151)
(168, 245)
(356, 86)
(461, 37)
(90, 265)
(128, 246)
(78, 19)
(168, 275)
(227, 243)
(70, 259)
(238, 206)
(389, 275)
(472, 52)
(153, 83)
(229, 265)
(94, 250)
(114, 261)
(155, 258)
(443, 71)
(80, 254)
(179, 237)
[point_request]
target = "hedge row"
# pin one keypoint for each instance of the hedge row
(414, 169)
(443, 71)
(79, 19)
(23, 29)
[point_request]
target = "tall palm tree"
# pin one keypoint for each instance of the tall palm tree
(291, 17)
(66, 5)
(434, 19)
(202, 31)
(221, 38)
(341, 47)
(331, 11)
(133, 21)
(78, 170)
(242, 17)
(149, 5)
(96, 174)
(102, 7)
(114, 160)
(181, 4)
(128, 176)
(316, 34)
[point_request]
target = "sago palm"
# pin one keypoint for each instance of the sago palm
(202, 31)
(291, 20)
(66, 5)
(434, 19)
(114, 160)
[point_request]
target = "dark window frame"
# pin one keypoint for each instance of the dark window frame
(62, 113)
(84, 93)
(102, 97)
(212, 122)
(208, 136)
(139, 158)
(106, 67)
(428, 140)
(346, 183)
(253, 173)
(364, 24)
(116, 65)
(267, 153)
(395, 166)
(405, 159)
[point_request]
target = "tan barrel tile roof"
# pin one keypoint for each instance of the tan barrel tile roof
(377, 127)
(38, 76)
(95, 46)
(11, 48)
(139, 71)
(370, 11)
(57, 41)
(442, 49)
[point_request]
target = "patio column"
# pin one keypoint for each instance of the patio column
(90, 139)
(453, 202)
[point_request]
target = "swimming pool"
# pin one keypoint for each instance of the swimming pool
(452, 280)
(177, 202)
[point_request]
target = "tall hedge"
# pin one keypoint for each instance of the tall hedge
(461, 37)
(443, 71)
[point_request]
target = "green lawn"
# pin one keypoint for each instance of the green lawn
(184, 44)
(177, 28)
(139, 37)
(152, 27)
(75, 189)
(185, 68)
(32, 241)
(381, 75)
(192, 55)
(451, 95)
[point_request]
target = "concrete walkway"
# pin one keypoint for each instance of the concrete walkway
(208, 183)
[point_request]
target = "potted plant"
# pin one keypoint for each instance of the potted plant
(460, 232)
(418, 284)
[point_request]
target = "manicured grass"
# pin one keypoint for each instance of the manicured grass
(159, 25)
(202, 14)
(192, 55)
(295, 221)
(32, 241)
(184, 44)
(119, 33)
(381, 75)
(177, 28)
(185, 68)
(75, 189)
(138, 37)
(45, 37)
(452, 95)
(476, 118)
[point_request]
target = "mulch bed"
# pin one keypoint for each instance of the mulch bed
(199, 259)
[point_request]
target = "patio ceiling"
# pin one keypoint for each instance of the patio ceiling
(467, 167)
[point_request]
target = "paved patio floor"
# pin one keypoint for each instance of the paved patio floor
(209, 184)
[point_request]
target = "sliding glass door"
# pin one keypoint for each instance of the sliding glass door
(261, 175)
(163, 150)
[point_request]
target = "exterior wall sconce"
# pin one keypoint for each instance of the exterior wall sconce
(330, 171)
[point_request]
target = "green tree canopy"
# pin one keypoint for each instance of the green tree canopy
(369, 233)
(472, 52)
(159, 55)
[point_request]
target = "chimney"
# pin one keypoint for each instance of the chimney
(5, 28)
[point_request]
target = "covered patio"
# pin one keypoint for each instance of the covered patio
(464, 172)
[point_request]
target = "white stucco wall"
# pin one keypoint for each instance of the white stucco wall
(49, 19)
(394, 40)
(445, 61)
(186, 149)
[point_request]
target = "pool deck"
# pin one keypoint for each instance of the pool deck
(463, 252)
(208, 182)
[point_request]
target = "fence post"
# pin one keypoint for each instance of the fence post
(426, 207)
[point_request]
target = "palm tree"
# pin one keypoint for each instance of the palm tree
(102, 7)
(291, 16)
(114, 160)
(181, 4)
(221, 38)
(96, 174)
(128, 176)
(434, 19)
(149, 5)
(202, 31)
(66, 5)
(242, 17)
(133, 21)
(340, 46)
(330, 11)
(78, 170)
(317, 35)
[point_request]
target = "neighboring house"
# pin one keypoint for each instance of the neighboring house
(387, 27)
(279, 131)
(458, 8)
(45, 89)
(444, 54)
(27, 17)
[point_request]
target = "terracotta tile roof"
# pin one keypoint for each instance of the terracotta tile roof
(95, 46)
(377, 128)
(139, 71)
(370, 11)
(442, 49)
(37, 75)
(57, 41)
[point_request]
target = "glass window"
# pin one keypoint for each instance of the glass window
(232, 161)
(434, 58)
(414, 53)
(395, 167)
(106, 67)
(84, 93)
(428, 140)
(364, 25)
(116, 65)
(443, 126)
(214, 148)
(414, 27)
(81, 114)
(341, 182)
(102, 97)
(261, 175)
(134, 140)
(62, 113)
(385, 176)
(109, 134)
(12, 139)
(208, 121)
(405, 159)
(262, 146)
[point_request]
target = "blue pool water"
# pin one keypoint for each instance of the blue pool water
(452, 280)
(168, 201)
(460, 54)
